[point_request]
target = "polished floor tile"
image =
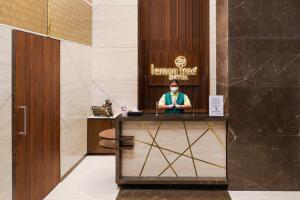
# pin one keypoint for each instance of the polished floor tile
(94, 179)
(245, 195)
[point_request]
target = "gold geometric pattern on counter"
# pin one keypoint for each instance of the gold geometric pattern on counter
(189, 144)
(151, 145)
(218, 138)
(154, 144)
(160, 149)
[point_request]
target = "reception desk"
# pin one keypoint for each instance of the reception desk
(171, 149)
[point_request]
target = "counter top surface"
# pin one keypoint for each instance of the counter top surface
(171, 117)
(101, 117)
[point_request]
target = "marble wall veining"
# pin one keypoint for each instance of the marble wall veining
(264, 95)
(76, 101)
(5, 114)
(115, 52)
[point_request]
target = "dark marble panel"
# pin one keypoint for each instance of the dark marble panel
(223, 90)
(264, 138)
(264, 18)
(264, 95)
(261, 111)
(222, 51)
(222, 63)
(264, 163)
(222, 20)
(128, 194)
(264, 62)
(222, 72)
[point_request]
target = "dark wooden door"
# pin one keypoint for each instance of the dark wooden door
(36, 106)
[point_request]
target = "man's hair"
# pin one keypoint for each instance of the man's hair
(174, 81)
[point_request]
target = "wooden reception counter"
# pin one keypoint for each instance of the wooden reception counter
(171, 149)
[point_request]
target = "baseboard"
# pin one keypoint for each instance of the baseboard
(72, 168)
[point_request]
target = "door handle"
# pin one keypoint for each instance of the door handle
(24, 132)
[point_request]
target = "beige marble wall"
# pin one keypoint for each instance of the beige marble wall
(76, 100)
(5, 114)
(115, 52)
(212, 43)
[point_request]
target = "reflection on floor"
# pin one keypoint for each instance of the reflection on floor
(94, 179)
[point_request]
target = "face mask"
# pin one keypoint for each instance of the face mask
(174, 89)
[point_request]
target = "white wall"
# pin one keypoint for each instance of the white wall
(5, 114)
(115, 52)
(76, 100)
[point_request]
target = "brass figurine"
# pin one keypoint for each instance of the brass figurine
(104, 110)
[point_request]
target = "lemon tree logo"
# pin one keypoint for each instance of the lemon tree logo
(180, 61)
(180, 72)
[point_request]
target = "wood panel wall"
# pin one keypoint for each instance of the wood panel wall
(167, 29)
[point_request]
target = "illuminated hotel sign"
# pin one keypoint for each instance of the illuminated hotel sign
(180, 72)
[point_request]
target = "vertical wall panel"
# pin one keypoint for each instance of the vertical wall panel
(264, 100)
(212, 50)
(76, 102)
(36, 155)
(5, 114)
(115, 52)
(222, 51)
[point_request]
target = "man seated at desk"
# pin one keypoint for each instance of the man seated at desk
(174, 102)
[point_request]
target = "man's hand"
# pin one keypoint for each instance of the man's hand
(171, 106)
(174, 103)
(178, 106)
